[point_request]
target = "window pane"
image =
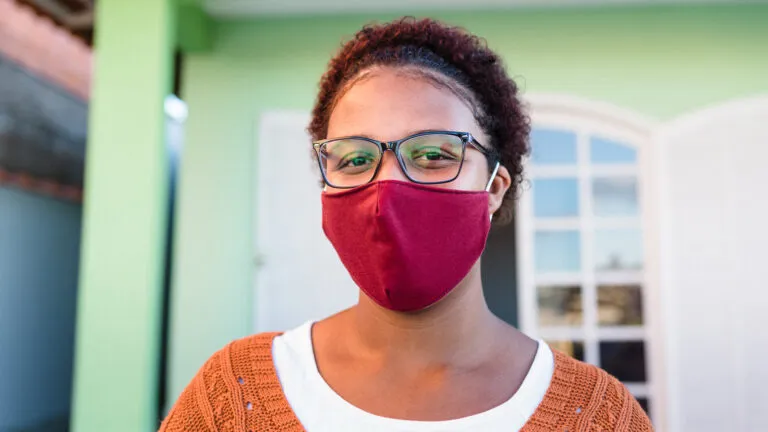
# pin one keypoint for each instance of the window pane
(557, 251)
(618, 249)
(553, 147)
(615, 196)
(644, 404)
(572, 348)
(556, 197)
(607, 151)
(559, 306)
(619, 305)
(624, 360)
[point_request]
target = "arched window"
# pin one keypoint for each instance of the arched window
(582, 233)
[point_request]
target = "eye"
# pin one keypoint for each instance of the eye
(433, 157)
(355, 161)
(430, 153)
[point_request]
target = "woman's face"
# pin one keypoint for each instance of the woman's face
(388, 104)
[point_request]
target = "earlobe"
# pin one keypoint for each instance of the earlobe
(494, 202)
(497, 188)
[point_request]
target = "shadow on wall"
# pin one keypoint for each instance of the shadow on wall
(39, 255)
(57, 424)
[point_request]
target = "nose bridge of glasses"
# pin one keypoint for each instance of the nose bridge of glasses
(388, 145)
(389, 168)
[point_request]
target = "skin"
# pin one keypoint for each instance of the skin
(455, 358)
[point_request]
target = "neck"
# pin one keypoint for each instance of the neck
(458, 329)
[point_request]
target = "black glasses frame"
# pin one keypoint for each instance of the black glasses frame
(394, 146)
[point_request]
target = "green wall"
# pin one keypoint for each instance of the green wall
(658, 61)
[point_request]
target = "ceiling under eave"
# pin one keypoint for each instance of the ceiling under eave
(76, 16)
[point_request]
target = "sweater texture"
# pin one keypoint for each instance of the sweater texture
(238, 390)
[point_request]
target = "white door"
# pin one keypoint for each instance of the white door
(714, 267)
(298, 275)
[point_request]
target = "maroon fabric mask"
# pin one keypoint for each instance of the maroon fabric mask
(406, 245)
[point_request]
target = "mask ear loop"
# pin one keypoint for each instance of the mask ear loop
(490, 181)
(493, 176)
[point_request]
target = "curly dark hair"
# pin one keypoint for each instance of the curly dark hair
(476, 73)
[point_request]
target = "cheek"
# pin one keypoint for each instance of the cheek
(473, 176)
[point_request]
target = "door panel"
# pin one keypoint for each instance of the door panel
(714, 275)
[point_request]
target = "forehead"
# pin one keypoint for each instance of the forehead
(388, 104)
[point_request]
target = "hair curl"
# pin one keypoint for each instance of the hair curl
(452, 52)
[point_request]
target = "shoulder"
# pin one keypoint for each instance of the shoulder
(240, 365)
(255, 348)
(249, 357)
(216, 396)
(582, 396)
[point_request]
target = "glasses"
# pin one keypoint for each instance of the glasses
(431, 157)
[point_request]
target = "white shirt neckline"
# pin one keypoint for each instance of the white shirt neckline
(305, 388)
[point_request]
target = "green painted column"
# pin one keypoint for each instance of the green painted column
(119, 300)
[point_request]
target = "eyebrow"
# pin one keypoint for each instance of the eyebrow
(410, 133)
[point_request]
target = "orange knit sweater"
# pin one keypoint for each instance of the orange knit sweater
(238, 390)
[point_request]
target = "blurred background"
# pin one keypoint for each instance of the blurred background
(147, 215)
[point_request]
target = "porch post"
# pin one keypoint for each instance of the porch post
(120, 290)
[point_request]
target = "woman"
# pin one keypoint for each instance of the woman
(419, 138)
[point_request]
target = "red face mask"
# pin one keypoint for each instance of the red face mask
(406, 245)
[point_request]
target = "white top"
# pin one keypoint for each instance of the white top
(320, 409)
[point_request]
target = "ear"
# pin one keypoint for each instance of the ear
(498, 189)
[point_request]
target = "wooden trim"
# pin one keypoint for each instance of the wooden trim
(41, 186)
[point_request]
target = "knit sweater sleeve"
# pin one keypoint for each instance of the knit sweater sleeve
(610, 406)
(206, 404)
(621, 411)
(582, 397)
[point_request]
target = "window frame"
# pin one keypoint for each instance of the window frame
(589, 119)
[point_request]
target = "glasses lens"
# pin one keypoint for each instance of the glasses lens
(432, 158)
(349, 162)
